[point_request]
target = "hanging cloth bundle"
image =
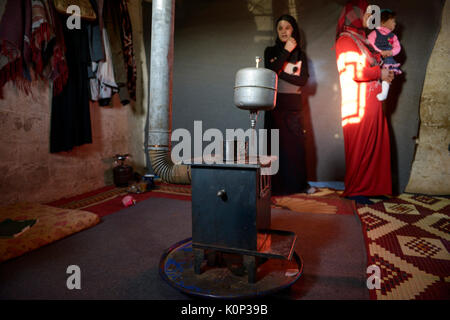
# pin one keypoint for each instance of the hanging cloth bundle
(118, 24)
(15, 52)
(31, 37)
(47, 45)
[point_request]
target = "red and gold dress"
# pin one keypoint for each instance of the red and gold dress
(366, 132)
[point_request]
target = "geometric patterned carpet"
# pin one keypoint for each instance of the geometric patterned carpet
(89, 199)
(408, 238)
(108, 199)
(324, 201)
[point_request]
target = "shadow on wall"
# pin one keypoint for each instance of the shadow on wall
(308, 91)
(390, 107)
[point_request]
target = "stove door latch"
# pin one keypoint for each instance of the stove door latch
(222, 194)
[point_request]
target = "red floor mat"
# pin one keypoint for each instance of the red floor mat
(327, 204)
(408, 239)
(108, 199)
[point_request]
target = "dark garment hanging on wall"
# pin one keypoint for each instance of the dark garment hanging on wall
(118, 24)
(97, 50)
(70, 116)
(15, 52)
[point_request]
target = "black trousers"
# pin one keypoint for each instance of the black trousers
(286, 117)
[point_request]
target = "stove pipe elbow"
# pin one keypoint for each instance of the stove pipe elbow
(167, 170)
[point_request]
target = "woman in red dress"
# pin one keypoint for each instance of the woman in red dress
(366, 133)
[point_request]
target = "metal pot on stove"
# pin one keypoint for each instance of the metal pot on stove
(255, 88)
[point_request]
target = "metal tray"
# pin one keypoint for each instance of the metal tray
(271, 244)
(177, 269)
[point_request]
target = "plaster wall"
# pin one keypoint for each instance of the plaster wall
(430, 172)
(29, 172)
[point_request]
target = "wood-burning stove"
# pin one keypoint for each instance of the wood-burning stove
(231, 213)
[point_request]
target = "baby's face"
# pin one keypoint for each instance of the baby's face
(390, 24)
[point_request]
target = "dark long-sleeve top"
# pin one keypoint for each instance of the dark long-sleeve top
(275, 59)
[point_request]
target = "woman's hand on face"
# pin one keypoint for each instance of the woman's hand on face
(387, 75)
(290, 44)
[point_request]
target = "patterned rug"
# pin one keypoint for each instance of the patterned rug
(408, 238)
(89, 199)
(324, 200)
(167, 188)
(108, 199)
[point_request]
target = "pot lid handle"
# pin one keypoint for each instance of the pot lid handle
(258, 60)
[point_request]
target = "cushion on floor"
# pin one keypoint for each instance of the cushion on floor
(51, 224)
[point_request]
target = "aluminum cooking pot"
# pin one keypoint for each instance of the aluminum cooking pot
(255, 89)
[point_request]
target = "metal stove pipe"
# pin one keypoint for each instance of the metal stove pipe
(160, 110)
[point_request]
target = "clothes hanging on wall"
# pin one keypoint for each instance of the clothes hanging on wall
(118, 24)
(31, 38)
(70, 119)
(34, 36)
(47, 45)
(103, 84)
(70, 116)
(95, 28)
(15, 53)
(41, 33)
(113, 29)
(95, 35)
(100, 72)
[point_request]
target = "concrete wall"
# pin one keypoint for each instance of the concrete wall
(215, 38)
(431, 168)
(28, 172)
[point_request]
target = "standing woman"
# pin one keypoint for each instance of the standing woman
(289, 62)
(366, 133)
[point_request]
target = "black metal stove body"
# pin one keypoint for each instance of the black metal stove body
(230, 204)
(231, 213)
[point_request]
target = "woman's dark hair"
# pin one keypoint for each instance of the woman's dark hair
(293, 22)
(295, 54)
(387, 14)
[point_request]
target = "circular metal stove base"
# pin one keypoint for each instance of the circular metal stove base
(177, 268)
